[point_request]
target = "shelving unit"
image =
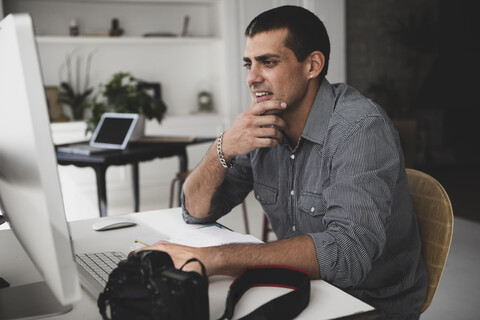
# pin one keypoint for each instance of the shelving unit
(80, 40)
(136, 17)
(183, 65)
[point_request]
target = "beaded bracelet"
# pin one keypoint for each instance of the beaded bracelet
(220, 154)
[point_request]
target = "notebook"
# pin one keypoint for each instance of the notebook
(113, 132)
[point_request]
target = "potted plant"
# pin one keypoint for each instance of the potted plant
(125, 94)
(72, 93)
(77, 102)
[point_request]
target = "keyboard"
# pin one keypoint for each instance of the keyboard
(94, 269)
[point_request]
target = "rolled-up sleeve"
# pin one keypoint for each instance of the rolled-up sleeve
(363, 173)
(236, 186)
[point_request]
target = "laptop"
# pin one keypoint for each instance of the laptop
(113, 132)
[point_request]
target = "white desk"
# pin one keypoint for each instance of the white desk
(326, 301)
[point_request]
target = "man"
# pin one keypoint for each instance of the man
(325, 164)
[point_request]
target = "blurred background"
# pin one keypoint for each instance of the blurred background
(419, 61)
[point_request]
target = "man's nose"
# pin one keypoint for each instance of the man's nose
(254, 76)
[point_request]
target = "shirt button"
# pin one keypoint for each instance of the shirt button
(293, 228)
(292, 156)
(312, 209)
(292, 193)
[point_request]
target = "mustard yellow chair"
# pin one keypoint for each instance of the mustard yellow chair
(435, 219)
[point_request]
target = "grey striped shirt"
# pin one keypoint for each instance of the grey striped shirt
(344, 185)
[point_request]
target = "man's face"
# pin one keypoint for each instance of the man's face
(273, 70)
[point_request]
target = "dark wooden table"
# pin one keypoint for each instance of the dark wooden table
(147, 149)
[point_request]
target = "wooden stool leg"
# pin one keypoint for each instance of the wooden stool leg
(266, 228)
(245, 217)
(172, 192)
(180, 178)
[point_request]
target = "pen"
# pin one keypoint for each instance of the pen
(224, 227)
(218, 225)
(138, 241)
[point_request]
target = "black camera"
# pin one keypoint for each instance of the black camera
(148, 286)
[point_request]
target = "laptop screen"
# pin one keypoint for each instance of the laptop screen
(114, 130)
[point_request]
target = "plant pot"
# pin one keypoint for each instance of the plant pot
(78, 114)
(139, 130)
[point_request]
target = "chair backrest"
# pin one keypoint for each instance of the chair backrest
(435, 219)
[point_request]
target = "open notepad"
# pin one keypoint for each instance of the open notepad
(212, 235)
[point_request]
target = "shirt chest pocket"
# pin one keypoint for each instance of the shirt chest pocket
(312, 203)
(265, 194)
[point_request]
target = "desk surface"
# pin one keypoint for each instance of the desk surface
(326, 301)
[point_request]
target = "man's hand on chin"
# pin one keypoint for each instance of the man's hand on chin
(257, 127)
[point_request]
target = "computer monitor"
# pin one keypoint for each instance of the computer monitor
(30, 194)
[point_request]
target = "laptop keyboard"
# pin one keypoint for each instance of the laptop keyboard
(99, 265)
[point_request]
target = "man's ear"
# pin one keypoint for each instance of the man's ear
(317, 62)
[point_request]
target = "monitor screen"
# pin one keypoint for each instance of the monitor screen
(30, 194)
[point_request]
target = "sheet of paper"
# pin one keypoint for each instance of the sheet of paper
(213, 235)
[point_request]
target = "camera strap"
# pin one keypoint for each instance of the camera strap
(204, 271)
(287, 306)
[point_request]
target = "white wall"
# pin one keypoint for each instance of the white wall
(333, 15)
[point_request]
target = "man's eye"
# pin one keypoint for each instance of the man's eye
(270, 63)
(247, 65)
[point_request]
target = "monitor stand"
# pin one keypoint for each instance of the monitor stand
(29, 301)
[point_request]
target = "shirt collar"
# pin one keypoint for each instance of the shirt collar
(319, 117)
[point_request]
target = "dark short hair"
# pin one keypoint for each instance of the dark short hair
(306, 32)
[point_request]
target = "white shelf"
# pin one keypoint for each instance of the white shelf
(126, 40)
(141, 1)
